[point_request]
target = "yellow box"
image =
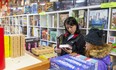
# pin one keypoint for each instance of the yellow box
(6, 44)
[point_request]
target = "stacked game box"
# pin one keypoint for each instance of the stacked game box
(77, 62)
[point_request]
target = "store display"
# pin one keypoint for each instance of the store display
(41, 22)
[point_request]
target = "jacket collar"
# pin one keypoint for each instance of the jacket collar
(102, 52)
(67, 34)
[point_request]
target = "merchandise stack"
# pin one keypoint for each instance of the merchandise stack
(77, 62)
(14, 45)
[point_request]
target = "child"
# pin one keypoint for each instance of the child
(97, 49)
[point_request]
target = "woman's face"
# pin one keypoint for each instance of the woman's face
(71, 29)
(88, 46)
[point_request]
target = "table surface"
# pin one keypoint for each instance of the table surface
(20, 62)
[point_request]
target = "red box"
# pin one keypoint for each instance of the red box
(2, 55)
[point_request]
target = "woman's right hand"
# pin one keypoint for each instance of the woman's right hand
(57, 50)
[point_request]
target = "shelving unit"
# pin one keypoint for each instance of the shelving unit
(51, 23)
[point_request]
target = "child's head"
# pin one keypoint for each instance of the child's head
(94, 40)
(71, 25)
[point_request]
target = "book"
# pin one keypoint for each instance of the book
(57, 6)
(48, 6)
(27, 9)
(79, 3)
(43, 43)
(54, 20)
(37, 20)
(64, 46)
(112, 0)
(98, 18)
(67, 4)
(34, 8)
(31, 32)
(81, 17)
(44, 34)
(112, 39)
(24, 30)
(113, 19)
(62, 18)
(36, 32)
(24, 21)
(53, 35)
(96, 2)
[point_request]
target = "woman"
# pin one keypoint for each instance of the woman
(97, 49)
(72, 37)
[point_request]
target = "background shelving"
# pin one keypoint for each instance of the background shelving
(51, 23)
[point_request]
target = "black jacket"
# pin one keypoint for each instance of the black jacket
(77, 42)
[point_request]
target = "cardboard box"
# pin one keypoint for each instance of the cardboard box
(11, 46)
(18, 45)
(22, 41)
(7, 46)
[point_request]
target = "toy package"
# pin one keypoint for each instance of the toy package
(69, 62)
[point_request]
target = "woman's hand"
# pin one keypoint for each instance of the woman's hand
(57, 50)
(68, 50)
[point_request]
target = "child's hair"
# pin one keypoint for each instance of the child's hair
(72, 21)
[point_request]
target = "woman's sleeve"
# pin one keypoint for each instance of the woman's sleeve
(80, 46)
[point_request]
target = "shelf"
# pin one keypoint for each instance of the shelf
(61, 28)
(30, 37)
(112, 30)
(53, 27)
(43, 40)
(83, 28)
(52, 42)
(53, 21)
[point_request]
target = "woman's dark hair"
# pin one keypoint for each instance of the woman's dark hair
(72, 21)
